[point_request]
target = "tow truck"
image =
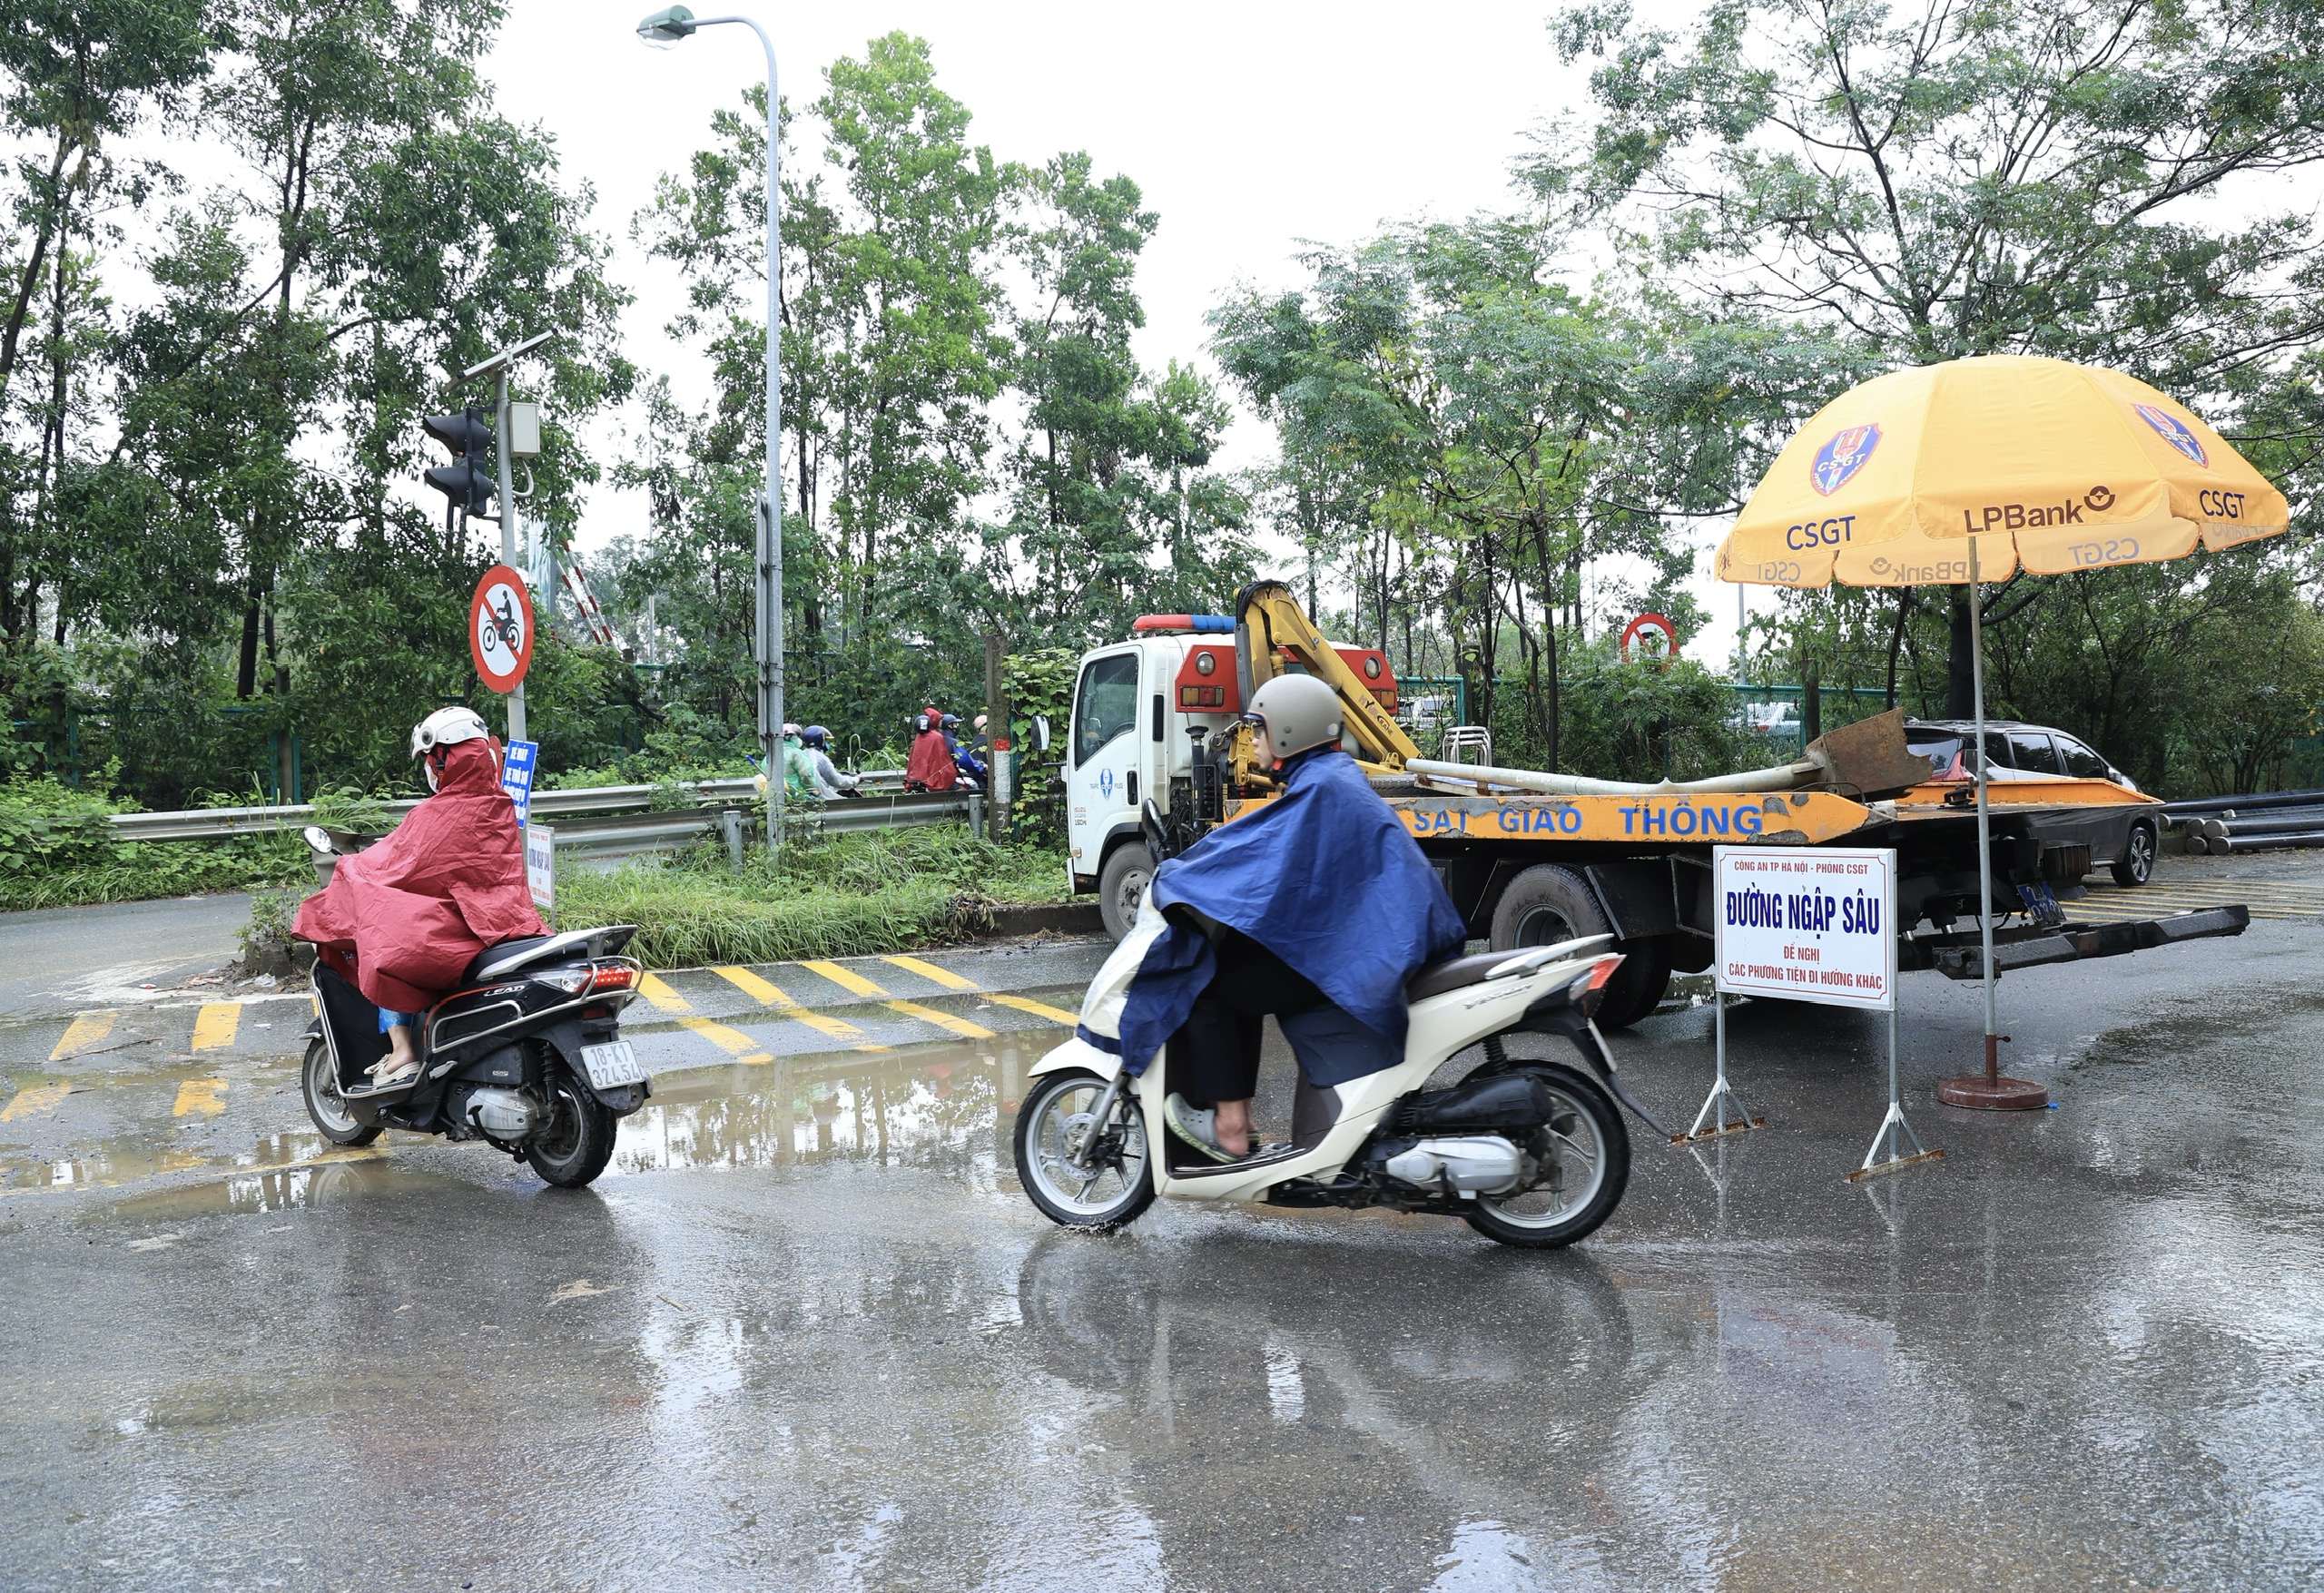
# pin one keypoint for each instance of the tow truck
(1158, 755)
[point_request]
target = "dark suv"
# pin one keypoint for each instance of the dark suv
(2123, 838)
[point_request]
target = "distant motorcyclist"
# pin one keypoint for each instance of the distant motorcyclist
(828, 779)
(931, 767)
(965, 761)
(403, 919)
(1316, 908)
(798, 771)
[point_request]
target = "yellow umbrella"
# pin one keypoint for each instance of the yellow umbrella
(1967, 471)
(2053, 465)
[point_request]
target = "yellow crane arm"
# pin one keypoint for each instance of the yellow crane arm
(1268, 617)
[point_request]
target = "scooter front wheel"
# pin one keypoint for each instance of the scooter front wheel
(1110, 1185)
(1580, 1184)
(319, 1082)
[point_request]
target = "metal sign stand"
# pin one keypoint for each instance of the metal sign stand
(1723, 1108)
(1895, 1133)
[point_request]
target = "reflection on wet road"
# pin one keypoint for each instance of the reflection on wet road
(807, 1333)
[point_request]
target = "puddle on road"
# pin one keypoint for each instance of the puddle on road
(131, 1159)
(941, 1100)
(342, 1178)
(892, 1107)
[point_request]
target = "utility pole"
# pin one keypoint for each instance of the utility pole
(997, 741)
(496, 367)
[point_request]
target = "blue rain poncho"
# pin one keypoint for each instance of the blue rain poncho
(1328, 879)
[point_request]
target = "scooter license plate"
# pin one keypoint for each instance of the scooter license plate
(611, 1065)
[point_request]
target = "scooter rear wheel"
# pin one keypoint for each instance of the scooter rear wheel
(326, 1108)
(1058, 1112)
(1591, 1166)
(574, 1145)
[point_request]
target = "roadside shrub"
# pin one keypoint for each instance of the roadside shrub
(840, 896)
(58, 850)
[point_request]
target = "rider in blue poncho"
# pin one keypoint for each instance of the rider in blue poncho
(1316, 908)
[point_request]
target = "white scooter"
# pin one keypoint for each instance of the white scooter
(1529, 1153)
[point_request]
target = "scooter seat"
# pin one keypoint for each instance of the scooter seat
(507, 952)
(1452, 974)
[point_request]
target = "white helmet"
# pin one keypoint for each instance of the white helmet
(445, 727)
(441, 729)
(1294, 712)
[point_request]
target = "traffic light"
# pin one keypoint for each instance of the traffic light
(465, 481)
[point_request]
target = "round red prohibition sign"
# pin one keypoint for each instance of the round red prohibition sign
(500, 628)
(1651, 625)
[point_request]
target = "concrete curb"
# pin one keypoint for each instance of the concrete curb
(1059, 918)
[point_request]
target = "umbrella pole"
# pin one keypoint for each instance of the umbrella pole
(1989, 1089)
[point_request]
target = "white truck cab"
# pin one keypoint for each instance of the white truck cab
(1142, 710)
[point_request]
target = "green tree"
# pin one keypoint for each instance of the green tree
(1440, 389)
(1928, 180)
(76, 80)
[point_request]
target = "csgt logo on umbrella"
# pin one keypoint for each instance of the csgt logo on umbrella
(1842, 457)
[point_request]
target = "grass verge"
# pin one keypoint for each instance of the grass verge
(840, 896)
(151, 870)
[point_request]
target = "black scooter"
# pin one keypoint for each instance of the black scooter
(526, 1054)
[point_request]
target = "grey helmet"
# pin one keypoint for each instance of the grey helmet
(1294, 712)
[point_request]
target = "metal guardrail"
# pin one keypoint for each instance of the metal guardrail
(608, 837)
(219, 823)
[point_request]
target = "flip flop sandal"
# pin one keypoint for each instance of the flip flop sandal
(383, 1083)
(1198, 1126)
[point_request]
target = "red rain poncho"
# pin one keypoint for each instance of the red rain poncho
(931, 764)
(405, 918)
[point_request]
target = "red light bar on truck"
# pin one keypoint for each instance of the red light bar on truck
(1183, 624)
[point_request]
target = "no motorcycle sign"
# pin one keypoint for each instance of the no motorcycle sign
(500, 628)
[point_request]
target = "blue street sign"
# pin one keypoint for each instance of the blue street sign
(517, 776)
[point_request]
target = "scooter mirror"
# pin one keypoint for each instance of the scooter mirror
(320, 839)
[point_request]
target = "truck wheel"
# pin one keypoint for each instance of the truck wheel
(2136, 865)
(1547, 904)
(1121, 886)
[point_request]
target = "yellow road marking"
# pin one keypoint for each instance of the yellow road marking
(845, 978)
(943, 1020)
(828, 1026)
(1037, 1008)
(215, 1025)
(742, 978)
(755, 988)
(32, 1103)
(85, 1030)
(732, 1041)
(199, 1097)
(664, 999)
(929, 970)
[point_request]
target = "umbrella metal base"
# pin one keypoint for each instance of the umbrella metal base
(1989, 1092)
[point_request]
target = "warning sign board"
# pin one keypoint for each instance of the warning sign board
(1808, 923)
(500, 628)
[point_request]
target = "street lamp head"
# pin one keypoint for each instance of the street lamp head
(666, 28)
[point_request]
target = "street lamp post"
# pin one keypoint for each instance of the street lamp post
(662, 30)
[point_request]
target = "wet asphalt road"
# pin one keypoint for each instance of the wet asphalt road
(807, 1334)
(66, 959)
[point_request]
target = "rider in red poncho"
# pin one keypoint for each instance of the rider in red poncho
(404, 919)
(931, 767)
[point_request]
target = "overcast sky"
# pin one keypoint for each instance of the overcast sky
(1251, 129)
